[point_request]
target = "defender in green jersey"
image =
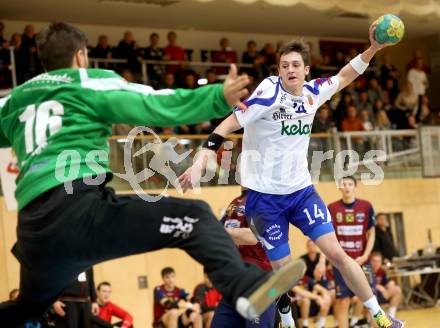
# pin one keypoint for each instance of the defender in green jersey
(60, 233)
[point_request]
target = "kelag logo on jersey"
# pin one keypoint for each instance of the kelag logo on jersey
(295, 129)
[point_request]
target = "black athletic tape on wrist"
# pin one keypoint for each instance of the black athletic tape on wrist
(214, 142)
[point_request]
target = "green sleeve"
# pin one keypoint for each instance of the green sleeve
(138, 105)
(4, 142)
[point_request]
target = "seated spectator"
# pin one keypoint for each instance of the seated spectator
(169, 81)
(13, 294)
(384, 242)
(108, 310)
(211, 76)
(351, 122)
(171, 304)
(382, 121)
(208, 297)
(312, 300)
(387, 291)
(224, 55)
(322, 123)
(407, 99)
(173, 52)
(341, 110)
(365, 104)
(315, 283)
(364, 115)
(3, 41)
(418, 78)
(190, 80)
(154, 52)
(374, 91)
(102, 50)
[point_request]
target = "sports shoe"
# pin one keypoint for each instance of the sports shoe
(278, 283)
(384, 321)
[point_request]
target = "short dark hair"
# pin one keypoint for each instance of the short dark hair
(57, 44)
(154, 34)
(297, 46)
(166, 271)
(171, 33)
(104, 283)
(376, 253)
(352, 178)
(251, 42)
(15, 290)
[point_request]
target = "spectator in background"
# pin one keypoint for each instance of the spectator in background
(391, 91)
(251, 56)
(322, 123)
(411, 122)
(224, 55)
(374, 90)
(170, 303)
(3, 41)
(365, 104)
(127, 49)
(386, 290)
(418, 78)
(108, 310)
(211, 76)
(28, 53)
(169, 81)
(364, 116)
(407, 99)
(270, 60)
(154, 52)
(388, 71)
(384, 242)
(417, 54)
(424, 112)
(382, 121)
(190, 80)
(341, 110)
(102, 50)
(173, 52)
(13, 294)
(208, 297)
(352, 122)
(339, 60)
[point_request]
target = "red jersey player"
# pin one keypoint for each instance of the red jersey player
(353, 220)
(107, 309)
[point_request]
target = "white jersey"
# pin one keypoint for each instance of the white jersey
(277, 127)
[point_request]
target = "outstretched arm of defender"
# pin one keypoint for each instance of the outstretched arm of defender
(214, 142)
(359, 64)
(242, 236)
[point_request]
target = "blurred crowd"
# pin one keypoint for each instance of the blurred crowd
(383, 98)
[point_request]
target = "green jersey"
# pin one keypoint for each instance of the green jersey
(74, 109)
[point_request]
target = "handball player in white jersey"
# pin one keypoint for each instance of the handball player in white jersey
(277, 126)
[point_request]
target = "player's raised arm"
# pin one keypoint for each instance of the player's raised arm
(359, 64)
(211, 145)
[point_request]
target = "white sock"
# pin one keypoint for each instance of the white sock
(336, 323)
(321, 322)
(305, 322)
(392, 311)
(373, 306)
(287, 319)
(354, 320)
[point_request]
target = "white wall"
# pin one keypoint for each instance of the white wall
(193, 39)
